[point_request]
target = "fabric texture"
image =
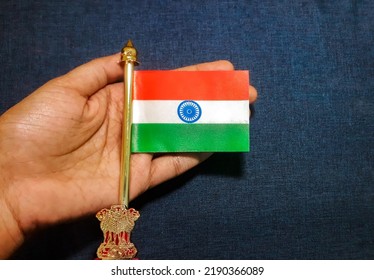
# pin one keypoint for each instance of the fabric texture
(306, 189)
(190, 111)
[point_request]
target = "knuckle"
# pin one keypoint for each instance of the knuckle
(177, 165)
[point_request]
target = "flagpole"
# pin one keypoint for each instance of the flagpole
(128, 57)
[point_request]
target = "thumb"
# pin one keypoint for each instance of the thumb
(92, 76)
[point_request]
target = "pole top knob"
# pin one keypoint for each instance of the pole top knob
(129, 53)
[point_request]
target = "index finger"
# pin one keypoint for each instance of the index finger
(209, 66)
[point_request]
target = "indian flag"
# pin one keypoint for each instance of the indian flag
(190, 111)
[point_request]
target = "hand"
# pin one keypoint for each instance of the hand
(60, 151)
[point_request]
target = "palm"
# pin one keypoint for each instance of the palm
(65, 152)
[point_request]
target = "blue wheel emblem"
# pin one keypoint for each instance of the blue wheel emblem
(189, 111)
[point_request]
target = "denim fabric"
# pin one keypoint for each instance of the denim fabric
(306, 189)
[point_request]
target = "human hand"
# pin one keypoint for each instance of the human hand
(60, 151)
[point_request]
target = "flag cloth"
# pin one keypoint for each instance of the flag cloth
(190, 111)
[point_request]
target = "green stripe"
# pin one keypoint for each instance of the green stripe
(162, 138)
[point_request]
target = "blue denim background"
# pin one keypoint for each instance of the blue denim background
(306, 189)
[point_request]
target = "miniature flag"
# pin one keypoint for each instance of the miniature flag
(190, 111)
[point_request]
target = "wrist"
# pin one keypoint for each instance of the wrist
(11, 236)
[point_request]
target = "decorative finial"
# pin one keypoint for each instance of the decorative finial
(129, 53)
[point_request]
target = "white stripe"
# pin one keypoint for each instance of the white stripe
(165, 111)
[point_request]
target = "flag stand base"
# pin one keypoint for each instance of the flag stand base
(117, 224)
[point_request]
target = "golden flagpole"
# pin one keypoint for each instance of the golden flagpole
(128, 57)
(118, 221)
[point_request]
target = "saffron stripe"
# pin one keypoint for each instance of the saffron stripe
(187, 85)
(159, 138)
(166, 111)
